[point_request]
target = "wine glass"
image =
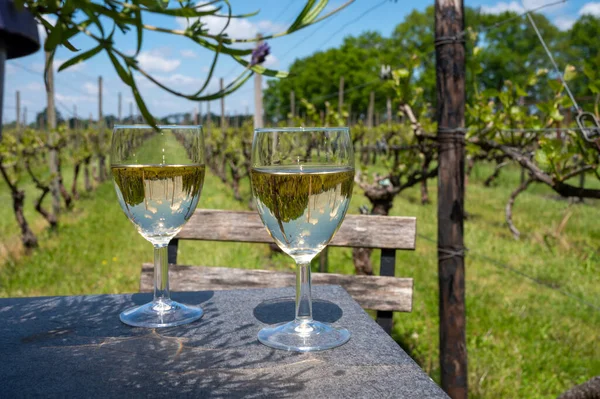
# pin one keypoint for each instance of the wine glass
(302, 181)
(158, 175)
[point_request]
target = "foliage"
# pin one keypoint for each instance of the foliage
(101, 20)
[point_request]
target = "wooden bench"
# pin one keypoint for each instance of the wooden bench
(383, 293)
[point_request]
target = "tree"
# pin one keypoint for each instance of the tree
(316, 78)
(584, 49)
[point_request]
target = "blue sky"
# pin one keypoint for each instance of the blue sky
(183, 65)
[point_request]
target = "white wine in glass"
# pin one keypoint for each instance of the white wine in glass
(158, 176)
(302, 183)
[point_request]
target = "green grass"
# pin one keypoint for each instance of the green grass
(525, 340)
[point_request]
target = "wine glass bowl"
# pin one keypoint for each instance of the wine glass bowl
(302, 181)
(158, 176)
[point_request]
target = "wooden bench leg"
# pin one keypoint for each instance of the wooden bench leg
(387, 268)
(384, 319)
(172, 251)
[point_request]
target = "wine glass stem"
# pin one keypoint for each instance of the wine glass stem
(161, 274)
(303, 295)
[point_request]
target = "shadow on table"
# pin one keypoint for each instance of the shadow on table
(280, 310)
(82, 337)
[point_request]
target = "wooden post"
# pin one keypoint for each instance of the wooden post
(131, 112)
(349, 114)
(222, 109)
(208, 117)
(51, 125)
(258, 96)
(18, 104)
(450, 82)
(119, 111)
(292, 106)
(371, 110)
(102, 156)
(326, 120)
(341, 96)
(388, 106)
(195, 116)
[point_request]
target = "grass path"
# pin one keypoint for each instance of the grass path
(525, 340)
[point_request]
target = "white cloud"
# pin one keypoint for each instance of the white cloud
(591, 9)
(35, 86)
(74, 100)
(188, 54)
(238, 28)
(501, 7)
(564, 23)
(271, 61)
(90, 88)
(270, 26)
(37, 67)
(154, 60)
(179, 79)
(515, 6)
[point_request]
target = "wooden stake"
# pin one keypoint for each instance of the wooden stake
(18, 103)
(119, 111)
(292, 105)
(341, 96)
(102, 156)
(388, 106)
(208, 117)
(131, 112)
(51, 125)
(450, 82)
(222, 108)
(371, 110)
(258, 96)
(349, 114)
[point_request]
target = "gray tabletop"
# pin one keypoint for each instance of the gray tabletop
(77, 347)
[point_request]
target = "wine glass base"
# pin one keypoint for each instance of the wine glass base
(303, 337)
(161, 314)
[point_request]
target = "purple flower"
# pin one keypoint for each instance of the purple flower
(259, 54)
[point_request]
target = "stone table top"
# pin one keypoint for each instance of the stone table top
(77, 347)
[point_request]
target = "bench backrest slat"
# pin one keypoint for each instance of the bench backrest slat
(361, 231)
